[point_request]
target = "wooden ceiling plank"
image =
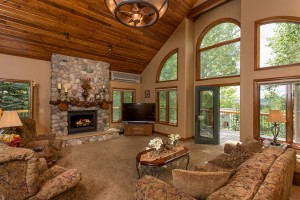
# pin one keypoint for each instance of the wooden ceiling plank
(204, 7)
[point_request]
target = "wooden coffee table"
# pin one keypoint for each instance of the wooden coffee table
(156, 167)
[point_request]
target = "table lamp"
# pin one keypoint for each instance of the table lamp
(9, 121)
(276, 117)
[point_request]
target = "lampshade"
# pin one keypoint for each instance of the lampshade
(137, 13)
(276, 116)
(10, 119)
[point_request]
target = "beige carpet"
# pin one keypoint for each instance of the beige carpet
(108, 167)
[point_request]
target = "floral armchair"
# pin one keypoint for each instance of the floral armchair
(46, 143)
(24, 176)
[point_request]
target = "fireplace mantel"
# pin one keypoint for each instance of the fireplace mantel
(63, 105)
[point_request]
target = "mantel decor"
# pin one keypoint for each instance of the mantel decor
(63, 101)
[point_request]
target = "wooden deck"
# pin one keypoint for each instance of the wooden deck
(229, 135)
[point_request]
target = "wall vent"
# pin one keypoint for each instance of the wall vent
(125, 77)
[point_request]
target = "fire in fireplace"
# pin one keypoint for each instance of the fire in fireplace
(82, 121)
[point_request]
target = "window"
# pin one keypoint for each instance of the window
(218, 50)
(17, 95)
(283, 96)
(167, 106)
(167, 70)
(277, 42)
(121, 96)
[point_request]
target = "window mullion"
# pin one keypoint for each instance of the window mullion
(289, 115)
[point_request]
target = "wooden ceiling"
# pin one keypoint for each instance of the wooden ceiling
(35, 29)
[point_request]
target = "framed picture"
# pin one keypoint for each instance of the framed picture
(147, 93)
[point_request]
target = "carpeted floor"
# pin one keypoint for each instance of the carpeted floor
(108, 167)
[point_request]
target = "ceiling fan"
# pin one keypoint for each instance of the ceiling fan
(137, 13)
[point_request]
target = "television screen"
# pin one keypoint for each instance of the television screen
(138, 112)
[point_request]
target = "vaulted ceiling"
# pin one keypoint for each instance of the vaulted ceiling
(35, 29)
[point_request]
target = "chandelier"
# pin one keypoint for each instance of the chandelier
(137, 13)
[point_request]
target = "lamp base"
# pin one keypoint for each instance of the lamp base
(275, 144)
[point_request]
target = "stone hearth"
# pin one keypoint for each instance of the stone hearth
(68, 71)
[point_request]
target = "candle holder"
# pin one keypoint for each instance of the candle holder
(59, 94)
(66, 96)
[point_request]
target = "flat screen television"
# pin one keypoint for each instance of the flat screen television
(138, 112)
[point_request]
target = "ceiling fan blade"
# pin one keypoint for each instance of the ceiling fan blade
(135, 7)
(127, 13)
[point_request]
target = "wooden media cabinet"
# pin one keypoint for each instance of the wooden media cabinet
(137, 129)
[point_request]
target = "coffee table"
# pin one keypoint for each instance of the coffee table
(156, 167)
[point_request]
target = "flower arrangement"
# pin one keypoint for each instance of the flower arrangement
(11, 139)
(156, 143)
(174, 138)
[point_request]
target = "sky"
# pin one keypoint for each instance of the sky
(265, 52)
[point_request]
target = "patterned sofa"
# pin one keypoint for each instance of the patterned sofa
(264, 175)
(25, 176)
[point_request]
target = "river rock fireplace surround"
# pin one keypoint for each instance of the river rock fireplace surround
(69, 71)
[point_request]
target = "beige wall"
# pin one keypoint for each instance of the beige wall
(124, 85)
(177, 40)
(251, 11)
(13, 67)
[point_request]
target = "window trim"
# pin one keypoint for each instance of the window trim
(31, 83)
(164, 60)
(167, 123)
(257, 25)
(289, 107)
(201, 37)
(122, 100)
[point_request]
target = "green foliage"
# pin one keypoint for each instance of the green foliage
(117, 102)
(229, 97)
(223, 60)
(285, 44)
(273, 97)
(162, 106)
(220, 33)
(169, 69)
(128, 96)
(14, 95)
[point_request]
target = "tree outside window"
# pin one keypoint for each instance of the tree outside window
(218, 52)
(121, 96)
(16, 95)
(279, 42)
(168, 68)
(167, 106)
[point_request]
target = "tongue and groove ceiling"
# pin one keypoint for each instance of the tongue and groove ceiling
(35, 29)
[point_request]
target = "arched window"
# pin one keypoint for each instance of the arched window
(168, 68)
(218, 50)
(277, 42)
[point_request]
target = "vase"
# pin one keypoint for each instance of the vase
(156, 152)
(174, 145)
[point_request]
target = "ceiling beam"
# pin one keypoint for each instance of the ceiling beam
(204, 7)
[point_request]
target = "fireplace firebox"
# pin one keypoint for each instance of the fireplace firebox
(82, 121)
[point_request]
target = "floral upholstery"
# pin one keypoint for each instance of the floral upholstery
(149, 188)
(267, 175)
(252, 145)
(277, 184)
(243, 185)
(221, 160)
(260, 161)
(237, 156)
(23, 175)
(29, 139)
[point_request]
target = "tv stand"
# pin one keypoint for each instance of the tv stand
(138, 129)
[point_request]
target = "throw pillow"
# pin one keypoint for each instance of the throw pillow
(208, 167)
(199, 184)
(239, 155)
(220, 160)
(252, 145)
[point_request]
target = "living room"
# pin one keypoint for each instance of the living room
(186, 38)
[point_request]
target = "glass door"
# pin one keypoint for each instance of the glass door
(207, 115)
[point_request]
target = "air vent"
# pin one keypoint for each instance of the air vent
(125, 77)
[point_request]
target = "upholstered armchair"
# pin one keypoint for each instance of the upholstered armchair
(24, 176)
(46, 143)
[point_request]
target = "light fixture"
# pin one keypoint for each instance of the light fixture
(10, 120)
(137, 13)
(275, 116)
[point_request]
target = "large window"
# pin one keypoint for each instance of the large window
(285, 97)
(278, 42)
(218, 50)
(17, 95)
(167, 106)
(121, 96)
(167, 70)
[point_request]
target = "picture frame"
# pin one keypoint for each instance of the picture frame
(147, 93)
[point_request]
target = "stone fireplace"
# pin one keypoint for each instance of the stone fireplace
(69, 71)
(82, 121)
